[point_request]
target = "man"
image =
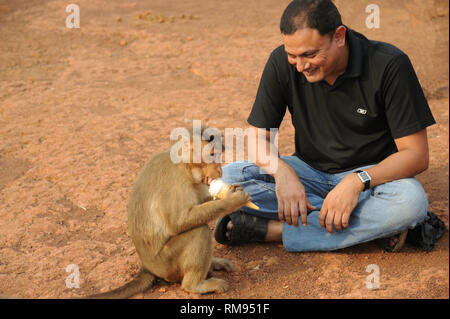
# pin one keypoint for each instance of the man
(360, 119)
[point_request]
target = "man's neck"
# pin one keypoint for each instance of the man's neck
(341, 65)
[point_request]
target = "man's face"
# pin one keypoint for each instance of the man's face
(313, 55)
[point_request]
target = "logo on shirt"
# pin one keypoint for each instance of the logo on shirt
(361, 111)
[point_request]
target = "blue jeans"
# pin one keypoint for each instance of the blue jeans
(382, 211)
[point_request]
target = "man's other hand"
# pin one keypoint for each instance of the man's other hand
(291, 196)
(340, 202)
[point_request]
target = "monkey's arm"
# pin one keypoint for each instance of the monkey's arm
(203, 213)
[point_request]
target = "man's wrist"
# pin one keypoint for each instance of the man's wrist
(360, 185)
(283, 169)
(364, 178)
(353, 181)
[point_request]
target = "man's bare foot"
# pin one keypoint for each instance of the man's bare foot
(240, 228)
(393, 240)
(394, 243)
(274, 231)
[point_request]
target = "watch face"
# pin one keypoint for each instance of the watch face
(364, 176)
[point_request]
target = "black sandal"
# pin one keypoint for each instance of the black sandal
(426, 234)
(386, 244)
(246, 229)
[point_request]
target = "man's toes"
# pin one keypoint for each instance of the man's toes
(393, 240)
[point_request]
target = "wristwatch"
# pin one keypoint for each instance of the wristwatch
(365, 178)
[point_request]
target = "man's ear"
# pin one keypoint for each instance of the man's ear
(339, 36)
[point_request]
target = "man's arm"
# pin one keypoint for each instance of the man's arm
(411, 159)
(290, 191)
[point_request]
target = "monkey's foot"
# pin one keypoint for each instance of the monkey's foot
(221, 264)
(209, 285)
(246, 229)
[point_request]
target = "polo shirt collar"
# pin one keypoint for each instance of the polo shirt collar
(355, 59)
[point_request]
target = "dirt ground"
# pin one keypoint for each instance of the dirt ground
(81, 111)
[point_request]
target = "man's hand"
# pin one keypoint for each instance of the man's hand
(340, 202)
(291, 196)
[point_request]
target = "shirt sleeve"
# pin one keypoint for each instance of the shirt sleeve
(270, 103)
(406, 107)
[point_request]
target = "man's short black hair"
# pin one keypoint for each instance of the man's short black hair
(314, 14)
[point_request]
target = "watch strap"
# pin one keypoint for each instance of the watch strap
(366, 183)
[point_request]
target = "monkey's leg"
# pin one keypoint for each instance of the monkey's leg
(195, 258)
(193, 282)
(221, 264)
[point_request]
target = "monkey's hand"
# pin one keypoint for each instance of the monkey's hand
(203, 213)
(238, 197)
(235, 188)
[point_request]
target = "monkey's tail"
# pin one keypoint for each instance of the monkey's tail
(143, 280)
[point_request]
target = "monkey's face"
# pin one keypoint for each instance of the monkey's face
(208, 170)
(212, 169)
(206, 173)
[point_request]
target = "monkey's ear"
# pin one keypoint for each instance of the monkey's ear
(216, 141)
(211, 134)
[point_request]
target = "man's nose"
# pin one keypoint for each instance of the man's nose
(300, 63)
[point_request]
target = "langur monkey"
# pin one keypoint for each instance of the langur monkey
(168, 212)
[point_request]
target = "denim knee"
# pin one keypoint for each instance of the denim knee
(406, 199)
(232, 173)
(240, 172)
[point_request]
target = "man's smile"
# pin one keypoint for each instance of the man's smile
(310, 71)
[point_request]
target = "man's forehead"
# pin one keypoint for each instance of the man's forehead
(304, 40)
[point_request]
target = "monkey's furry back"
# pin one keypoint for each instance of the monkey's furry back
(163, 190)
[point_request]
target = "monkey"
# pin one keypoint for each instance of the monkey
(168, 212)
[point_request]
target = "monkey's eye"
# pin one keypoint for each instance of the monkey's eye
(215, 157)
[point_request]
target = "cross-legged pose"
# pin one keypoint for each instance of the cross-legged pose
(360, 119)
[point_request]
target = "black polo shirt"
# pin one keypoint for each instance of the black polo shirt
(353, 122)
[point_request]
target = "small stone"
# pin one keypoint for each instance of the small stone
(252, 265)
(442, 12)
(272, 261)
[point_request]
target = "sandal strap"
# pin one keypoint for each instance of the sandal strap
(247, 228)
(385, 243)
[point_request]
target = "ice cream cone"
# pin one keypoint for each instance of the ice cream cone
(219, 189)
